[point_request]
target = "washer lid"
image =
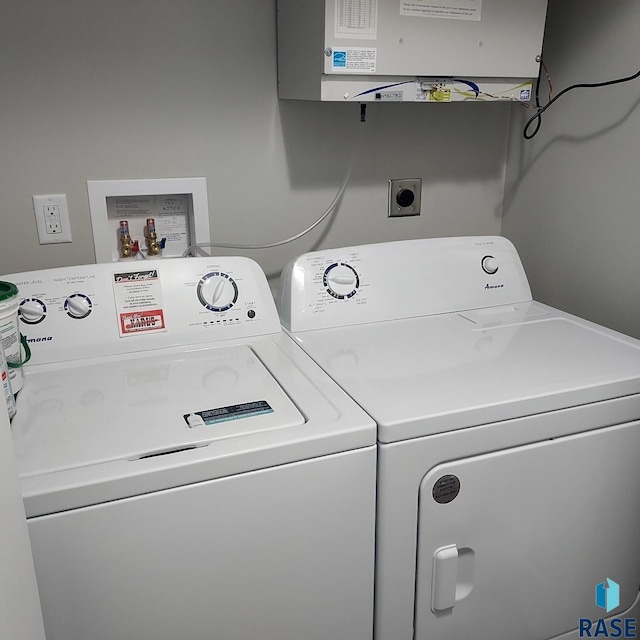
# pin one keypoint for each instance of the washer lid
(429, 375)
(127, 408)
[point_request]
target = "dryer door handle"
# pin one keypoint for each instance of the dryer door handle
(445, 577)
(452, 577)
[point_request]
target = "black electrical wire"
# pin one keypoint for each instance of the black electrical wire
(585, 85)
(538, 116)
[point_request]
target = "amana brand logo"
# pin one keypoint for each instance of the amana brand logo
(494, 286)
(42, 339)
(608, 598)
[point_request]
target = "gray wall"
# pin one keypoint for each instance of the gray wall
(571, 201)
(115, 89)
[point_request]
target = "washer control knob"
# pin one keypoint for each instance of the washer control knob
(217, 291)
(490, 265)
(32, 310)
(78, 306)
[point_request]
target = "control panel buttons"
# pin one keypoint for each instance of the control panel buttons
(78, 306)
(32, 311)
(341, 280)
(217, 291)
(490, 265)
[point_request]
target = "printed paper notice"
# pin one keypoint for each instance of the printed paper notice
(356, 19)
(354, 60)
(451, 9)
(138, 296)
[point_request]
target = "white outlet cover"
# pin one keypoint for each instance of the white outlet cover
(61, 231)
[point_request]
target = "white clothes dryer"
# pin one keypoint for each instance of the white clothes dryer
(509, 435)
(187, 471)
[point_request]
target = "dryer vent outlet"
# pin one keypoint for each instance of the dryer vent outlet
(405, 197)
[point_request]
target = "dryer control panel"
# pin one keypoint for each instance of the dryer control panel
(404, 279)
(72, 313)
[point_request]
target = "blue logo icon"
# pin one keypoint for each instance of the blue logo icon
(608, 595)
(339, 58)
(608, 598)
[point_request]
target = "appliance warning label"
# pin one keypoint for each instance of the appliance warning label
(138, 296)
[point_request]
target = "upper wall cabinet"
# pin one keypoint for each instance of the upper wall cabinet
(409, 50)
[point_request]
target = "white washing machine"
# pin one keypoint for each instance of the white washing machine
(509, 437)
(187, 471)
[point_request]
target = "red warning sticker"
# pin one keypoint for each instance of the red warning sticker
(139, 321)
(138, 296)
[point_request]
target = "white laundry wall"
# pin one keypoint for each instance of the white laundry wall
(115, 89)
(571, 200)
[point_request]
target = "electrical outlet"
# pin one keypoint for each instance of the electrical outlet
(52, 218)
(405, 197)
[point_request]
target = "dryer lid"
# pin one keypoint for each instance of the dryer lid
(422, 376)
(131, 407)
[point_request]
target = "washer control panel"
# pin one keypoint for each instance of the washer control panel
(405, 279)
(76, 312)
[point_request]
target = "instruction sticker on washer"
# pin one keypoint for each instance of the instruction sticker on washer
(354, 60)
(449, 9)
(226, 414)
(138, 296)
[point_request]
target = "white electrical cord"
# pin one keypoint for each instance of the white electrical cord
(198, 247)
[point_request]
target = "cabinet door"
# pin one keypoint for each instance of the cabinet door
(514, 543)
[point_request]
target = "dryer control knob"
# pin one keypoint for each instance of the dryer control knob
(490, 265)
(341, 280)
